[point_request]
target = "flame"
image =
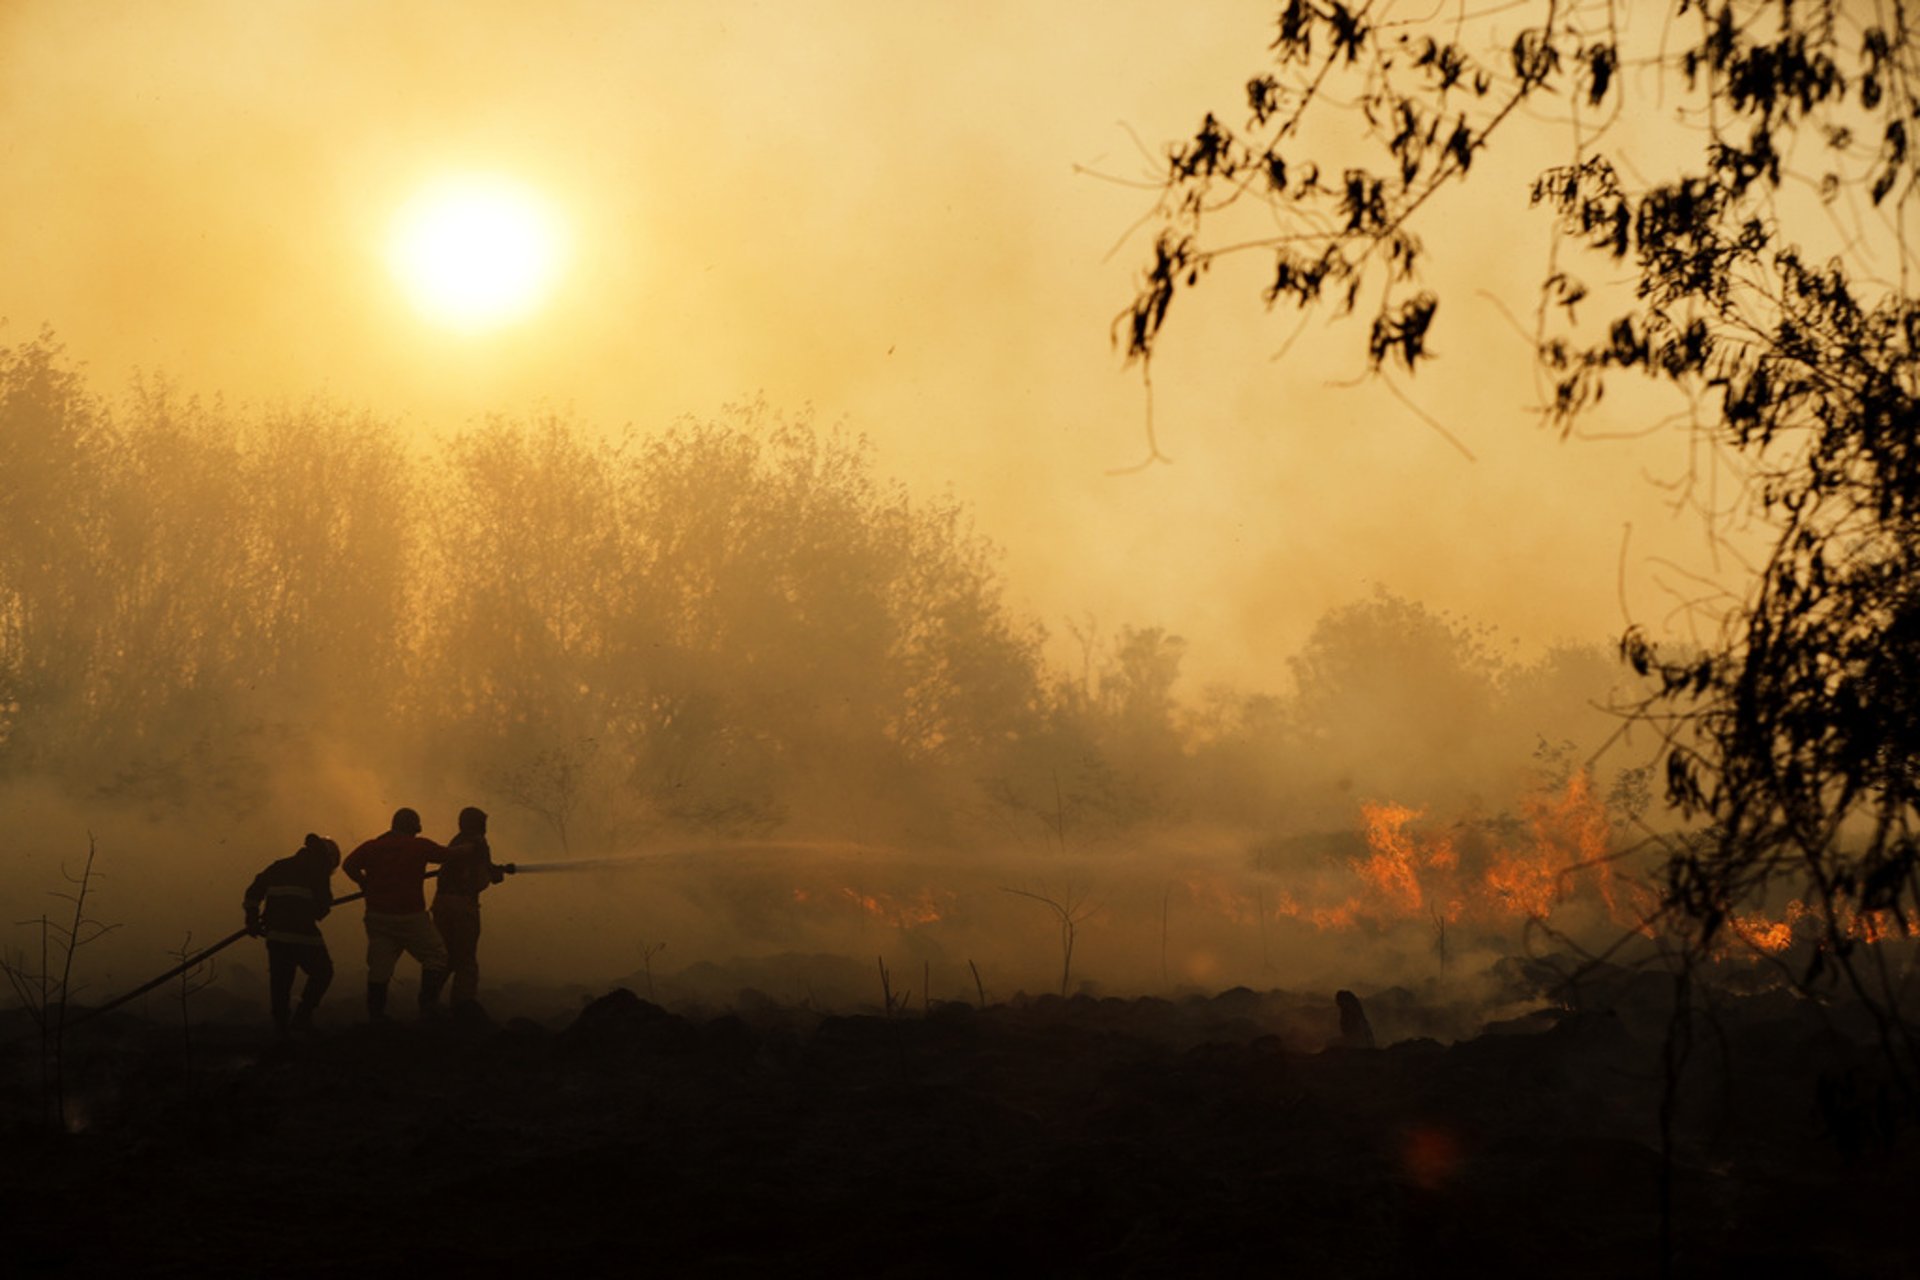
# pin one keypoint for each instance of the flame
(1393, 868)
(1772, 936)
(903, 913)
(1878, 926)
(1767, 934)
(926, 907)
(1411, 872)
(1798, 921)
(1524, 887)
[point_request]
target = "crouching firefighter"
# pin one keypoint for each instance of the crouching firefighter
(392, 869)
(285, 904)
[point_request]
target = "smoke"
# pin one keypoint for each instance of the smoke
(809, 921)
(922, 250)
(395, 567)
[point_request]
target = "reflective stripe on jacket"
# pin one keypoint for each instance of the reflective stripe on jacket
(292, 896)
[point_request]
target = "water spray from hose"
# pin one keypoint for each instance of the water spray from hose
(636, 861)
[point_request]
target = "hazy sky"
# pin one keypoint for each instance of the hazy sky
(881, 209)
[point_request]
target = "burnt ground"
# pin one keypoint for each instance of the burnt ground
(1210, 1135)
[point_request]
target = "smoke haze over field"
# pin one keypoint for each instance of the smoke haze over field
(885, 212)
(285, 555)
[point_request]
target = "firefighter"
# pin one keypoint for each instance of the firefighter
(464, 875)
(285, 904)
(392, 869)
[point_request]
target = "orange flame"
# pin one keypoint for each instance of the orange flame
(1393, 868)
(1797, 921)
(902, 913)
(1413, 874)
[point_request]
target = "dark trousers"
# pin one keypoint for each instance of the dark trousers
(285, 957)
(458, 919)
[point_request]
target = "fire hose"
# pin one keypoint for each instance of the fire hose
(205, 953)
(577, 864)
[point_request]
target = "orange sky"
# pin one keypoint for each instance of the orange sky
(882, 210)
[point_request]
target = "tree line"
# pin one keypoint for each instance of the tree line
(727, 625)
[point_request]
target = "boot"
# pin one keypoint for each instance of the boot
(431, 980)
(376, 1002)
(303, 1019)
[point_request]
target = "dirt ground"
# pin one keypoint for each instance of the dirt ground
(1210, 1135)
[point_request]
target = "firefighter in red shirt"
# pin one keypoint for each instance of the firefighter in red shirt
(392, 869)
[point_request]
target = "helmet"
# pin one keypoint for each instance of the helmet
(473, 820)
(322, 849)
(406, 822)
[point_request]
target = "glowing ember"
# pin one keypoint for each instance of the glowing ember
(1430, 1155)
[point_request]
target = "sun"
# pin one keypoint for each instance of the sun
(477, 252)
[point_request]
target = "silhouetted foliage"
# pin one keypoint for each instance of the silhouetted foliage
(1760, 217)
(46, 987)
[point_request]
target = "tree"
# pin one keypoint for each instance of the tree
(1757, 229)
(183, 586)
(523, 560)
(1388, 697)
(332, 560)
(54, 442)
(711, 620)
(1108, 751)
